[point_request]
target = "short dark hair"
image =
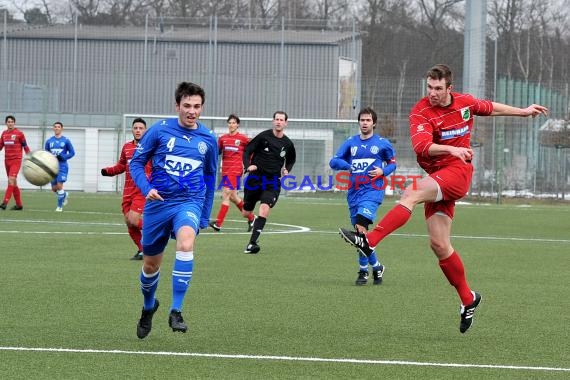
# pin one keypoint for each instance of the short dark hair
(282, 113)
(9, 117)
(368, 111)
(189, 89)
(233, 116)
(441, 71)
(58, 122)
(139, 120)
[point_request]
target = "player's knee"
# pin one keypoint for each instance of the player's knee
(439, 247)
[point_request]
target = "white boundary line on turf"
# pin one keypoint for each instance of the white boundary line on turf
(300, 229)
(288, 358)
(294, 229)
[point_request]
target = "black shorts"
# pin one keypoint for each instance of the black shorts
(260, 188)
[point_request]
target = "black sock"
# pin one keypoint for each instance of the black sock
(257, 228)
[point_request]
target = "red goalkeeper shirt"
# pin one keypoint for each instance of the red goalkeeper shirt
(122, 166)
(13, 141)
(451, 125)
(231, 147)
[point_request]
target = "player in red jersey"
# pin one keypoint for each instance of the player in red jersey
(133, 200)
(13, 140)
(231, 146)
(440, 129)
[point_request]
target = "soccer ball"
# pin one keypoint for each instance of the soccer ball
(40, 167)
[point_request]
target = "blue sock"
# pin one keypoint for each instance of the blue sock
(373, 261)
(181, 277)
(149, 283)
(362, 261)
(60, 198)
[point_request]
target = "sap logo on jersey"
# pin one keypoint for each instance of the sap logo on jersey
(361, 164)
(180, 166)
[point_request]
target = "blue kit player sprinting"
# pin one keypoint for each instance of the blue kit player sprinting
(61, 147)
(369, 158)
(179, 198)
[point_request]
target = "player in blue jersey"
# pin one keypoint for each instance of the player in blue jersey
(61, 147)
(369, 158)
(179, 197)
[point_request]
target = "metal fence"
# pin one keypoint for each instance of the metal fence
(509, 158)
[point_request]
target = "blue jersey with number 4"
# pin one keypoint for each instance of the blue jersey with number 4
(184, 163)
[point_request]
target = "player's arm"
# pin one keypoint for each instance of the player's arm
(70, 151)
(119, 167)
(339, 160)
(210, 169)
(389, 157)
(500, 109)
(141, 156)
(25, 145)
(249, 151)
(290, 159)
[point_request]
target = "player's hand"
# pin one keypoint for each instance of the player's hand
(535, 110)
(284, 172)
(105, 173)
(153, 195)
(464, 154)
(376, 172)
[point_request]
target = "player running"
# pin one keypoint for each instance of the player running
(179, 197)
(133, 200)
(62, 148)
(369, 158)
(231, 147)
(14, 141)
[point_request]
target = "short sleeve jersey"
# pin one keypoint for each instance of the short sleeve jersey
(13, 141)
(451, 125)
(232, 147)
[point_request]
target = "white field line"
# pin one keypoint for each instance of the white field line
(281, 228)
(289, 358)
(286, 229)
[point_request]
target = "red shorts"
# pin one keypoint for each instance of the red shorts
(12, 167)
(133, 202)
(454, 182)
(231, 181)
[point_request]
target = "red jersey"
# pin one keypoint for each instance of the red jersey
(231, 148)
(14, 141)
(449, 125)
(123, 167)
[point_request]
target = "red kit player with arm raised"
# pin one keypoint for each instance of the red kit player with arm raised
(133, 200)
(440, 128)
(231, 146)
(13, 141)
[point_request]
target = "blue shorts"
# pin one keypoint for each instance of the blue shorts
(163, 219)
(61, 175)
(365, 208)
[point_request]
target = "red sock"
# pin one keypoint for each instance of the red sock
(240, 205)
(394, 219)
(8, 194)
(136, 235)
(17, 196)
(222, 214)
(453, 269)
